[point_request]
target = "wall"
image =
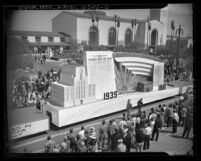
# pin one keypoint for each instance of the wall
(100, 71)
(160, 29)
(141, 33)
(66, 23)
(84, 24)
(31, 39)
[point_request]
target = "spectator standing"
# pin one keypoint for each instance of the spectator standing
(139, 138)
(113, 135)
(122, 125)
(127, 141)
(148, 132)
(81, 133)
(102, 134)
(63, 145)
(188, 125)
(79, 144)
(175, 121)
(170, 116)
(140, 103)
(129, 108)
(50, 145)
(72, 139)
(121, 147)
(162, 113)
(183, 115)
(108, 133)
(92, 140)
(157, 126)
(166, 115)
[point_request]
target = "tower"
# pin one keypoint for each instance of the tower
(161, 15)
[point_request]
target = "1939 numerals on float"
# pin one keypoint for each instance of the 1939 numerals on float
(110, 95)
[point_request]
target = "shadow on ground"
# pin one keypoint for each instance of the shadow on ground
(176, 136)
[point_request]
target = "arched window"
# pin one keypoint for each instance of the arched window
(128, 37)
(154, 38)
(112, 36)
(93, 36)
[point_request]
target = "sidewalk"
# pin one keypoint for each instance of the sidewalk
(173, 144)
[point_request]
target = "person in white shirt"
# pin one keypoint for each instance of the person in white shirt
(147, 132)
(81, 133)
(122, 125)
(175, 121)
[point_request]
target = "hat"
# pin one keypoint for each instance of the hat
(120, 141)
(92, 129)
(181, 98)
(49, 137)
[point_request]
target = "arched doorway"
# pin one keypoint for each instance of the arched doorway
(112, 36)
(128, 37)
(93, 36)
(154, 38)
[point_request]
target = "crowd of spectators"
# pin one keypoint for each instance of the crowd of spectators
(133, 131)
(173, 72)
(32, 92)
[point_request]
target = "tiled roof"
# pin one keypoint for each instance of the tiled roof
(100, 17)
(35, 33)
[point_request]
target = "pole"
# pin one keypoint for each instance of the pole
(178, 55)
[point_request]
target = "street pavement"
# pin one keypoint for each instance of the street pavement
(172, 144)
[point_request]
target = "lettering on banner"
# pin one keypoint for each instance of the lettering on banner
(110, 95)
(19, 130)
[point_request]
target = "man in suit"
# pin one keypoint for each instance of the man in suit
(102, 134)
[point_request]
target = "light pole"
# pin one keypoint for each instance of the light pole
(115, 21)
(148, 28)
(97, 20)
(179, 31)
(118, 25)
(93, 20)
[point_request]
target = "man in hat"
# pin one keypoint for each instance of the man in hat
(92, 139)
(121, 147)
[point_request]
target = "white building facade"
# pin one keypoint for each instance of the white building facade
(105, 31)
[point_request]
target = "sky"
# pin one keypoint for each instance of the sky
(35, 20)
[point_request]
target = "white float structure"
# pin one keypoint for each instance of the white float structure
(26, 121)
(99, 66)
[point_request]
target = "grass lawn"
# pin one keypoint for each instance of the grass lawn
(46, 67)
